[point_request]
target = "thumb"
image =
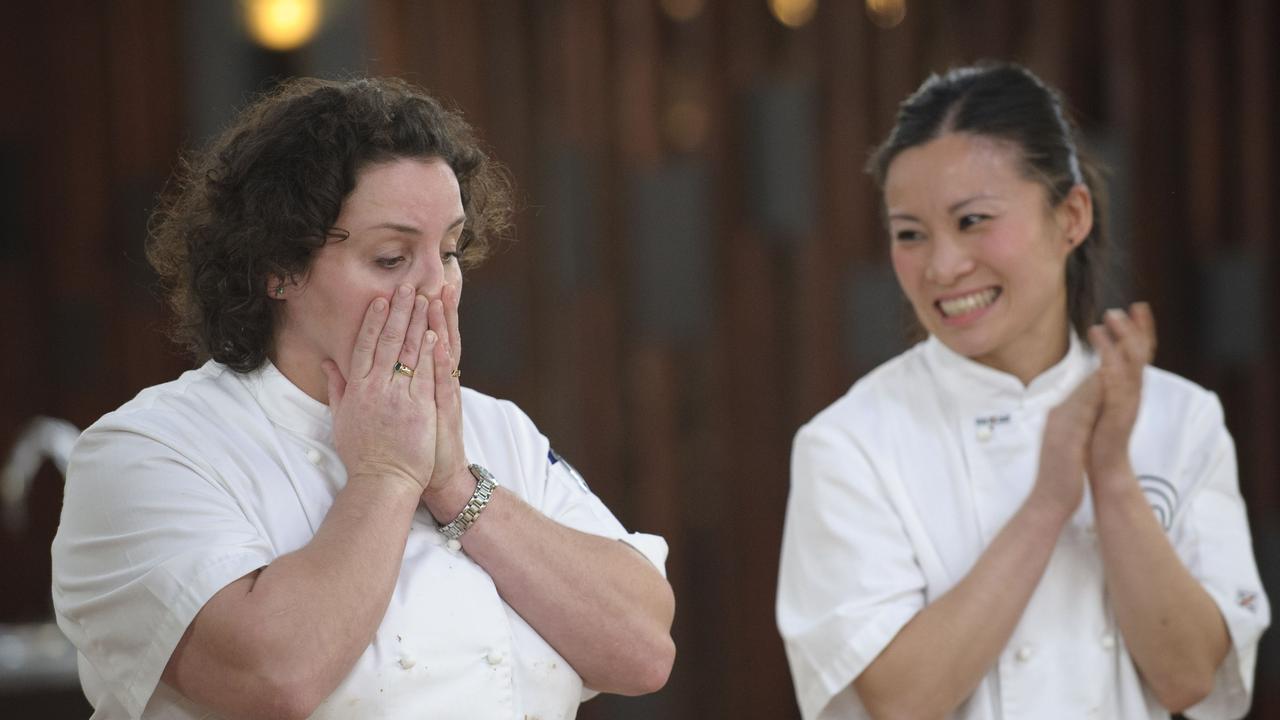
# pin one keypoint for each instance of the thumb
(337, 385)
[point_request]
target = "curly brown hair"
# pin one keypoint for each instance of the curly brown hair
(264, 195)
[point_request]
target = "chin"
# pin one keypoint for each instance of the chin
(966, 343)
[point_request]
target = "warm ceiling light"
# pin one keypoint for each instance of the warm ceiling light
(793, 13)
(682, 10)
(887, 13)
(282, 25)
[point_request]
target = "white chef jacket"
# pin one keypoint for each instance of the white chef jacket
(901, 484)
(196, 482)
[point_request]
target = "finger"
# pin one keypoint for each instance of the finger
(452, 300)
(1130, 341)
(412, 348)
(391, 339)
(423, 382)
(367, 339)
(1087, 395)
(1146, 322)
(437, 322)
(1101, 340)
(337, 385)
(448, 401)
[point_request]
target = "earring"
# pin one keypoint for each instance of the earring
(280, 290)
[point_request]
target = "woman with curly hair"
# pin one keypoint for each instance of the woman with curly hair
(320, 521)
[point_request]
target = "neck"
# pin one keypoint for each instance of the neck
(301, 370)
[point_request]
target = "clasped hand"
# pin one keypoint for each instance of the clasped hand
(1089, 432)
(396, 426)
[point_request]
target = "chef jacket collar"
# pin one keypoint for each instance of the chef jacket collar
(287, 405)
(973, 384)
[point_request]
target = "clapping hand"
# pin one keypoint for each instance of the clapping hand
(1125, 343)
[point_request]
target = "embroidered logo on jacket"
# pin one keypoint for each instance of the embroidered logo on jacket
(1162, 496)
(556, 458)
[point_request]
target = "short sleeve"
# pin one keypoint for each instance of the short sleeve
(848, 580)
(1213, 540)
(550, 484)
(147, 536)
(569, 501)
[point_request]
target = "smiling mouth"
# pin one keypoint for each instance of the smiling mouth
(965, 304)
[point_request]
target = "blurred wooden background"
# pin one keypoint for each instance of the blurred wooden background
(699, 267)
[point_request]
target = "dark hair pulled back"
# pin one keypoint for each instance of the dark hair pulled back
(264, 195)
(1008, 103)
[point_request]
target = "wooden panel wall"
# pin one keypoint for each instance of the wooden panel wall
(700, 266)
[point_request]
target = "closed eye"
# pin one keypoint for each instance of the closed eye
(972, 219)
(390, 262)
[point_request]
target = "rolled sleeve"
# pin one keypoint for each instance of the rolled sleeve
(1214, 542)
(848, 580)
(146, 538)
(568, 500)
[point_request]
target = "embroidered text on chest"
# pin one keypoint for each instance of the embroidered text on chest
(985, 426)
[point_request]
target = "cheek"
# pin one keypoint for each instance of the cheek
(1025, 253)
(453, 274)
(908, 266)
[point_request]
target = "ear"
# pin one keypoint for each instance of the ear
(1075, 216)
(277, 287)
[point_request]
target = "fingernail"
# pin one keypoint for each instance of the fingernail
(431, 337)
(1115, 314)
(380, 304)
(404, 291)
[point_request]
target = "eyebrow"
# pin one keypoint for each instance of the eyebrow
(413, 229)
(950, 208)
(961, 203)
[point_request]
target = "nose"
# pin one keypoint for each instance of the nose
(949, 260)
(427, 277)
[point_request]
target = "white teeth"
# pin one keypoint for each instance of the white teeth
(968, 303)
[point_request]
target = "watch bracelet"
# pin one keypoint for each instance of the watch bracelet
(485, 485)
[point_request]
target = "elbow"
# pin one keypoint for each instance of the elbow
(655, 655)
(285, 690)
(643, 670)
(280, 698)
(892, 704)
(1184, 691)
(899, 711)
(656, 668)
(650, 668)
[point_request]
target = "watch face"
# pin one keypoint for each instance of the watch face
(481, 473)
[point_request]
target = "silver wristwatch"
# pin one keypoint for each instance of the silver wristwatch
(485, 485)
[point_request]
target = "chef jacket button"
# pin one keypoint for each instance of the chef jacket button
(314, 456)
(1023, 654)
(984, 432)
(494, 657)
(1108, 641)
(454, 545)
(1090, 530)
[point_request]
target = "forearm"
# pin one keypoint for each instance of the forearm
(281, 640)
(597, 601)
(1171, 626)
(941, 655)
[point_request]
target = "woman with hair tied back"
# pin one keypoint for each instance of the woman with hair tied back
(1004, 521)
(320, 521)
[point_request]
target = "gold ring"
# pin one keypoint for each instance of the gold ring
(457, 373)
(403, 369)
